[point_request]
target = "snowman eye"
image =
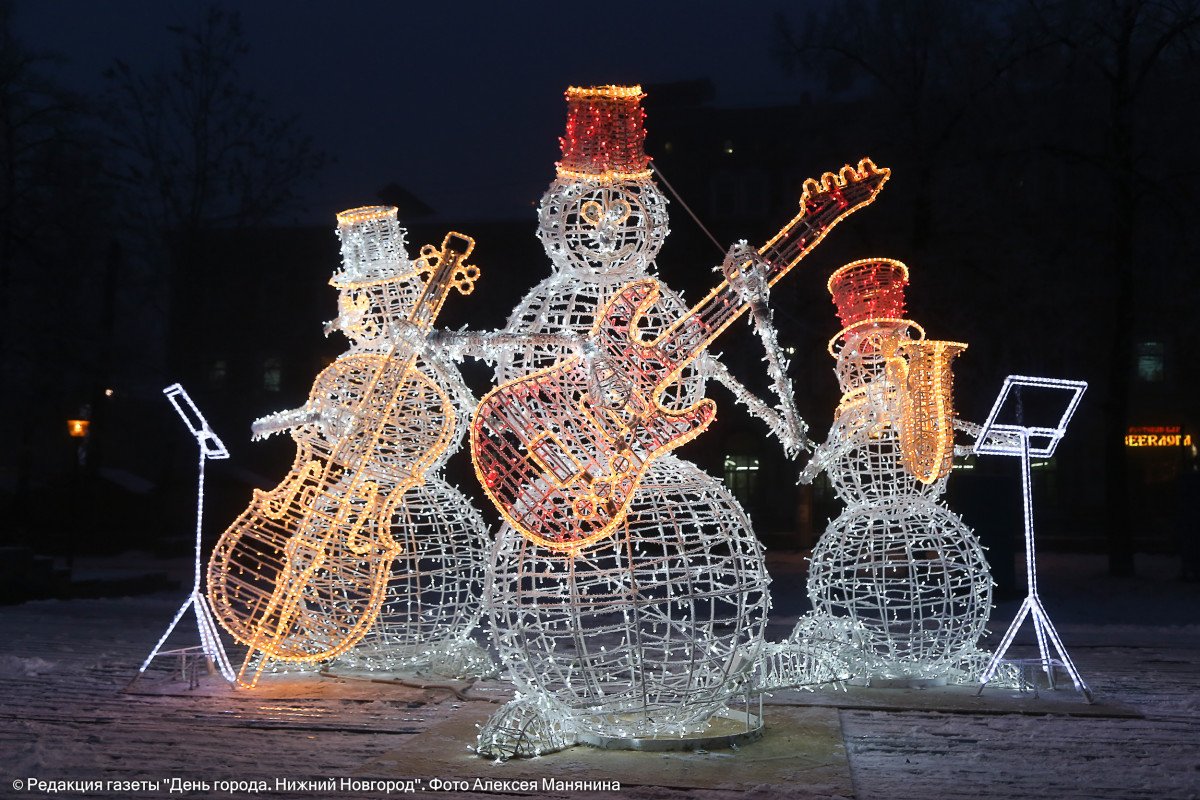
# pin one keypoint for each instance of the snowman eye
(591, 212)
(618, 212)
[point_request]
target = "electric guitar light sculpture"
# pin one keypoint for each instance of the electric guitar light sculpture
(372, 427)
(561, 451)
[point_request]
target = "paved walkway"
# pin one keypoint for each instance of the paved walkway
(64, 718)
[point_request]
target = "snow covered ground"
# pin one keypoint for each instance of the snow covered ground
(64, 717)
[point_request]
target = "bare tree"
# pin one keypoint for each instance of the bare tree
(200, 149)
(930, 66)
(54, 345)
(1115, 54)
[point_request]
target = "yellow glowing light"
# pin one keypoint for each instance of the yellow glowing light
(1159, 440)
(77, 428)
(922, 370)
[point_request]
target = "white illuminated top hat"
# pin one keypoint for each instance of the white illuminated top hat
(372, 247)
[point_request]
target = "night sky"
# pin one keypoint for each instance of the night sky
(459, 102)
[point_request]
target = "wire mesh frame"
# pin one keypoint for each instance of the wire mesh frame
(432, 604)
(645, 634)
(911, 577)
(607, 226)
(909, 574)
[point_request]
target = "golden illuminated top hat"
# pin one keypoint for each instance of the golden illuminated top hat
(605, 137)
(372, 247)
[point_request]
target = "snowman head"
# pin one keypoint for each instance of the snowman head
(600, 225)
(378, 285)
(869, 295)
(603, 211)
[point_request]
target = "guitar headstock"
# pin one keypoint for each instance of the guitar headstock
(849, 187)
(455, 249)
(823, 203)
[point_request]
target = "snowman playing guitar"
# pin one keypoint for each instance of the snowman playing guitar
(561, 451)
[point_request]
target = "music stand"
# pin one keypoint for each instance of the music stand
(1014, 439)
(210, 641)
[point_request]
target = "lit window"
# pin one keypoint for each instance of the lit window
(741, 476)
(272, 374)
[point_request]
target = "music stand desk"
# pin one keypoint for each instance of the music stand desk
(1026, 441)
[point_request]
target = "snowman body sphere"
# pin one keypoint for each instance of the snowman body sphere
(648, 632)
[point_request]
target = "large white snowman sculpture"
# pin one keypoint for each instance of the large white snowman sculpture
(646, 633)
(896, 574)
(433, 602)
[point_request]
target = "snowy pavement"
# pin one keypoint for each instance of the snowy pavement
(66, 724)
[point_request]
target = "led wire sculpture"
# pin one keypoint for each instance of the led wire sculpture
(641, 666)
(903, 571)
(646, 634)
(301, 575)
(210, 447)
(1009, 439)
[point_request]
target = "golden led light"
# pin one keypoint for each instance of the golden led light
(77, 428)
(927, 407)
(300, 576)
(605, 410)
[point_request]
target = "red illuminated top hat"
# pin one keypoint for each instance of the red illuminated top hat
(869, 291)
(605, 136)
(872, 288)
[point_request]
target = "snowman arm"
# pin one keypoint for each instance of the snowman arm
(815, 465)
(281, 421)
(993, 438)
(778, 424)
(489, 345)
(746, 272)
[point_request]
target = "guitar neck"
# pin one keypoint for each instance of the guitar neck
(823, 204)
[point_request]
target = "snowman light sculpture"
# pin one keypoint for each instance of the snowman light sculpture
(897, 574)
(645, 626)
(646, 633)
(362, 545)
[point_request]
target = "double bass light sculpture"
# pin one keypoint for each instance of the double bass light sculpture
(897, 574)
(301, 575)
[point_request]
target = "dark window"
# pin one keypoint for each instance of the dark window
(272, 374)
(1150, 362)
